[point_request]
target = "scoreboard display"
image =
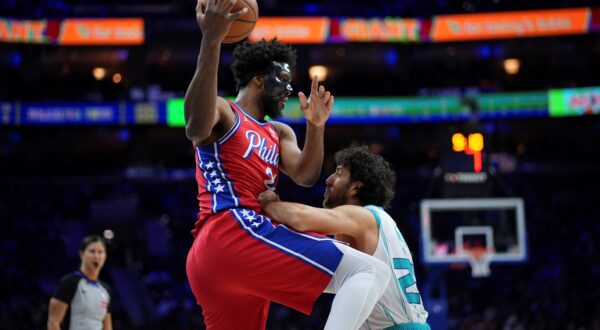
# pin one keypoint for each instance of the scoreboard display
(463, 169)
(470, 145)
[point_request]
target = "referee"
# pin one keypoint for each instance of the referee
(81, 300)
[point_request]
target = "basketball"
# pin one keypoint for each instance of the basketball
(241, 27)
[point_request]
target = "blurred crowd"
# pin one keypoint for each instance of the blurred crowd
(145, 204)
(135, 185)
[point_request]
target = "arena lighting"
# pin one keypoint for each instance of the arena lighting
(109, 234)
(116, 78)
(511, 65)
(471, 145)
(99, 73)
(319, 71)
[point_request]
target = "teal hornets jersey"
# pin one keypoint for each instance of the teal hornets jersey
(401, 306)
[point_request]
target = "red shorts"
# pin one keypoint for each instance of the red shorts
(240, 261)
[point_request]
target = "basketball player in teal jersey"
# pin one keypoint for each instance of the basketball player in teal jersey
(362, 184)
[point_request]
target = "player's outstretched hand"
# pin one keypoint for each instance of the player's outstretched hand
(214, 17)
(268, 196)
(318, 106)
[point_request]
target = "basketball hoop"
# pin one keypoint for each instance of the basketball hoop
(479, 258)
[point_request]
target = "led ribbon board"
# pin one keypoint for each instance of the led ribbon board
(574, 101)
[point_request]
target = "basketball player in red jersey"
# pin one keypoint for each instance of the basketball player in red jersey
(240, 260)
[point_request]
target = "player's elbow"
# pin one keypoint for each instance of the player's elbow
(305, 180)
(195, 128)
(310, 181)
(195, 134)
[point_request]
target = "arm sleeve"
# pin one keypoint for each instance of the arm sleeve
(66, 288)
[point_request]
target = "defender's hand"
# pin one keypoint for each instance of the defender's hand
(268, 196)
(319, 104)
(214, 17)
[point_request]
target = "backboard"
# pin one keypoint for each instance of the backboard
(452, 227)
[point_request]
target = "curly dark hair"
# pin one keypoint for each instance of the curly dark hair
(252, 59)
(376, 174)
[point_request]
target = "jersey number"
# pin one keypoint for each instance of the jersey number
(407, 280)
(270, 182)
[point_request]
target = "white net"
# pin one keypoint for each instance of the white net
(479, 258)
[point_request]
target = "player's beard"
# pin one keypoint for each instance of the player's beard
(336, 197)
(271, 106)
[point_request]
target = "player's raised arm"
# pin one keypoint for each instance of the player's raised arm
(304, 166)
(202, 105)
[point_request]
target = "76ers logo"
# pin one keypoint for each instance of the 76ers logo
(268, 153)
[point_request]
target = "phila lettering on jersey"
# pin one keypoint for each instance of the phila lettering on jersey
(234, 170)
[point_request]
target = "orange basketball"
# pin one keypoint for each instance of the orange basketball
(241, 27)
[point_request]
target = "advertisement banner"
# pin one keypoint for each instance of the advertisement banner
(384, 110)
(145, 113)
(293, 30)
(574, 101)
(8, 113)
(109, 31)
(517, 104)
(379, 30)
(367, 110)
(23, 31)
(517, 24)
(77, 113)
(595, 21)
(175, 113)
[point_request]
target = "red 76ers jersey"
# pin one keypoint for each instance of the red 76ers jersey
(233, 171)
